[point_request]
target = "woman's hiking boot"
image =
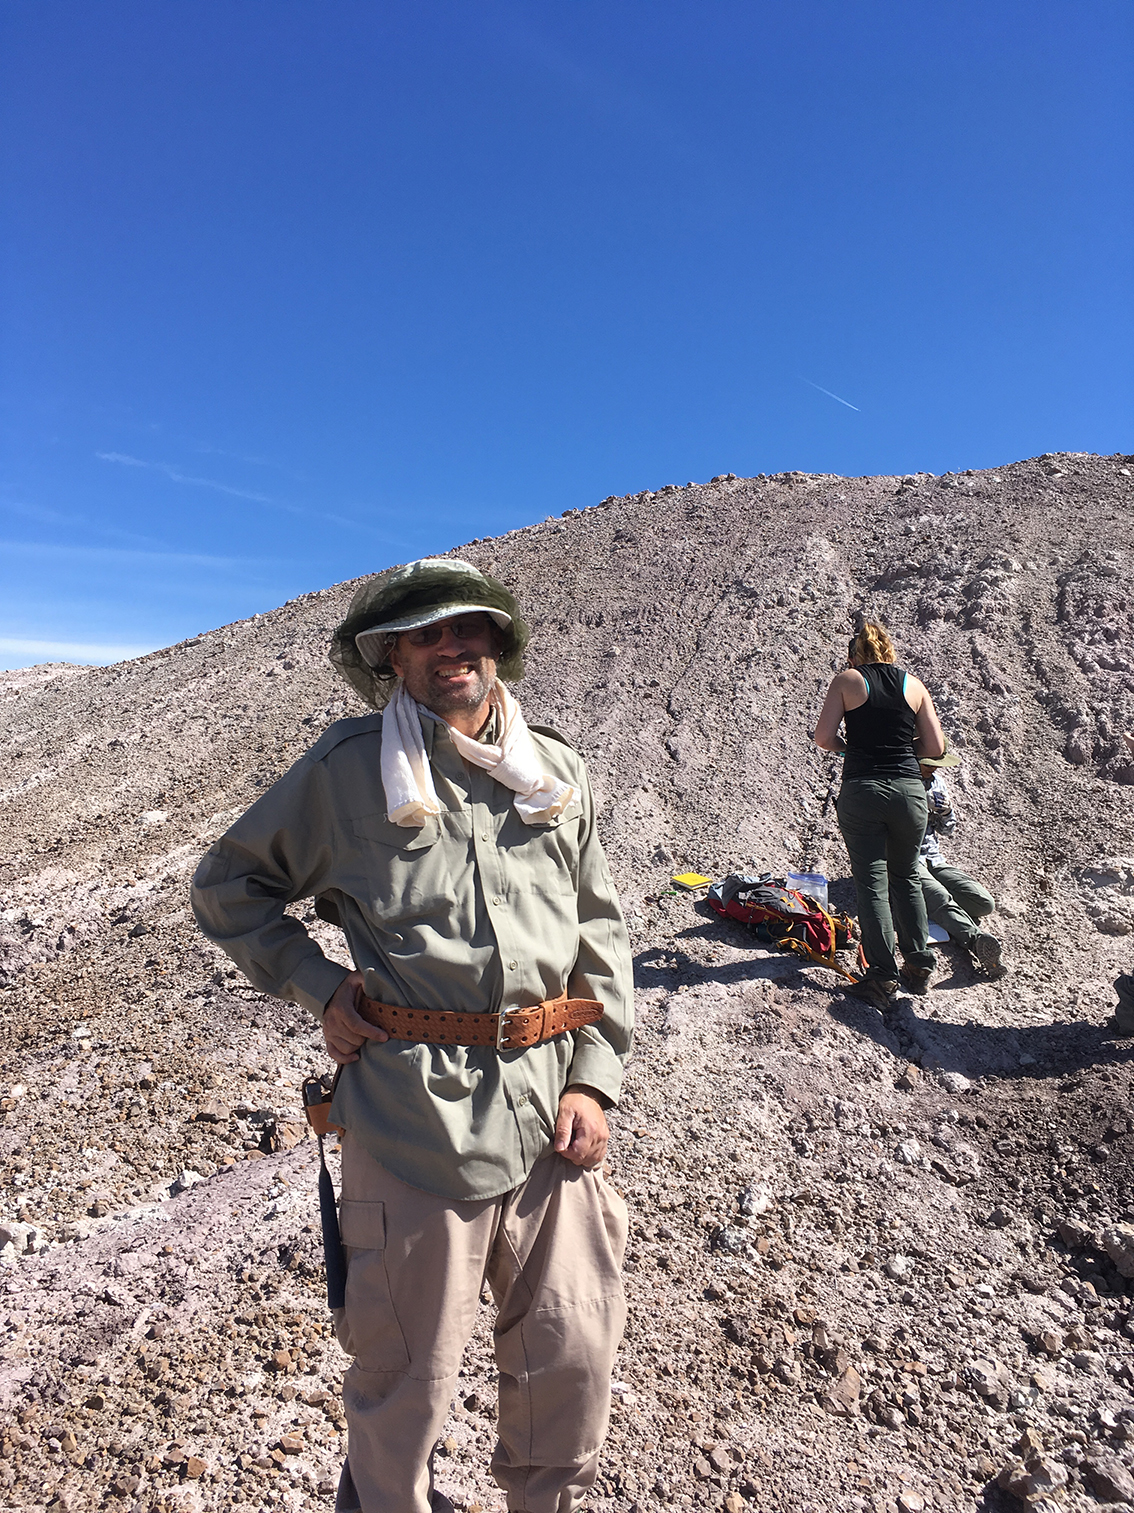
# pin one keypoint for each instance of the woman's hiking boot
(876, 990)
(915, 979)
(988, 953)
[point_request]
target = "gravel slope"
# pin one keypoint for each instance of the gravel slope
(869, 1259)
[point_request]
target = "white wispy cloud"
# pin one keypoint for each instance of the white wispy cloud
(40, 514)
(829, 395)
(44, 516)
(207, 449)
(125, 460)
(94, 652)
(129, 557)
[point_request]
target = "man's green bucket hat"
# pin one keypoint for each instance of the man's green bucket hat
(410, 597)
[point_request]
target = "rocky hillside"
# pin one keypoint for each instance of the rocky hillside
(875, 1265)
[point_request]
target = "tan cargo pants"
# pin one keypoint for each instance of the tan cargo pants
(551, 1251)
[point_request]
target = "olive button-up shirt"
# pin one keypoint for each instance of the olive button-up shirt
(474, 911)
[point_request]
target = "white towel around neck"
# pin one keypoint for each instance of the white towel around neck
(411, 796)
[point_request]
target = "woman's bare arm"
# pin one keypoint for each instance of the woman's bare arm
(929, 738)
(826, 735)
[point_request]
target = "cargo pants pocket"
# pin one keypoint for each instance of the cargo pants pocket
(367, 1327)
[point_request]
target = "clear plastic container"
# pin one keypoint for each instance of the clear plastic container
(814, 884)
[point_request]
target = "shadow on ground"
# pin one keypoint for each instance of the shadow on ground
(1007, 1052)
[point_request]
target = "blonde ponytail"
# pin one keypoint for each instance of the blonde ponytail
(872, 644)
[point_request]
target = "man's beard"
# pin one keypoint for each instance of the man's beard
(430, 690)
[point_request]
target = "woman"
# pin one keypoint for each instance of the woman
(890, 722)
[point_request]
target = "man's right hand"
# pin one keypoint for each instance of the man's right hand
(344, 1028)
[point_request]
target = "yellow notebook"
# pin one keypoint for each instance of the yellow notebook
(691, 880)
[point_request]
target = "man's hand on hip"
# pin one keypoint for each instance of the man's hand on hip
(344, 1028)
(581, 1131)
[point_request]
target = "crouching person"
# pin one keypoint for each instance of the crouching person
(954, 901)
(480, 1038)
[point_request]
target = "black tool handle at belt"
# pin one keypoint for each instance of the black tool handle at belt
(316, 1102)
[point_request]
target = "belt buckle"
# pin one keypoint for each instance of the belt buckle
(502, 1027)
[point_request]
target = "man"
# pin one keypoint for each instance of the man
(953, 900)
(457, 848)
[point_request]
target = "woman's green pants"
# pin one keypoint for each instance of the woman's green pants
(883, 822)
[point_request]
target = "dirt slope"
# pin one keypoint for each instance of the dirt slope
(867, 1256)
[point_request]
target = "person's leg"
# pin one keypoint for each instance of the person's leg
(414, 1273)
(906, 814)
(555, 1275)
(860, 812)
(943, 909)
(964, 890)
(1124, 1013)
(971, 902)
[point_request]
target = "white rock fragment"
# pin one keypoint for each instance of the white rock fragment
(14, 1233)
(185, 1180)
(731, 1240)
(153, 817)
(898, 1268)
(955, 1082)
(756, 1199)
(908, 1152)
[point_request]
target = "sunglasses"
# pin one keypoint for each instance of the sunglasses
(464, 628)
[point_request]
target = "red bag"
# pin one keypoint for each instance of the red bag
(781, 916)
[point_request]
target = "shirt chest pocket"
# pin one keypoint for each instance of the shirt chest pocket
(553, 851)
(405, 871)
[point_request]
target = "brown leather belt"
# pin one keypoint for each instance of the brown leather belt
(512, 1030)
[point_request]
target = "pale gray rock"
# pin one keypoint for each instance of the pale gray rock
(955, 1083)
(1118, 1242)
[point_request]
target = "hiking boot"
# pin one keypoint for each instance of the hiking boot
(878, 991)
(989, 956)
(915, 979)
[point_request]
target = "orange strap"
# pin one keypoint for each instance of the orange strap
(823, 961)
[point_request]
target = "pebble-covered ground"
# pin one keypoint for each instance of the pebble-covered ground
(873, 1265)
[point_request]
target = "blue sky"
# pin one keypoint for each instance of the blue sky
(292, 291)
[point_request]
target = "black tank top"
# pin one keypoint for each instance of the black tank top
(880, 733)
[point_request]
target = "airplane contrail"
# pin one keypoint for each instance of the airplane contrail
(829, 395)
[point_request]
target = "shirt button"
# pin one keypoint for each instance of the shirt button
(512, 966)
(498, 901)
(484, 835)
(522, 1101)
